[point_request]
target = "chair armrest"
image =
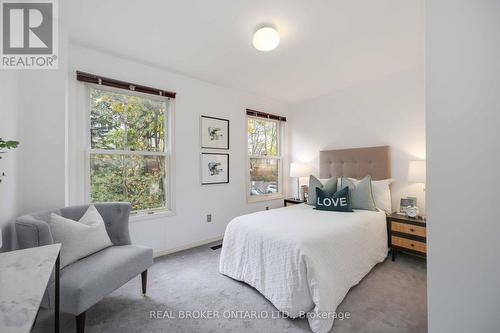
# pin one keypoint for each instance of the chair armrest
(116, 216)
(32, 232)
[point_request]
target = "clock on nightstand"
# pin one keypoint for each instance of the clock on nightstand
(407, 234)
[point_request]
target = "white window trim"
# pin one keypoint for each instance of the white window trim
(146, 214)
(281, 190)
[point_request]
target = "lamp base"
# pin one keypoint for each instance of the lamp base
(298, 189)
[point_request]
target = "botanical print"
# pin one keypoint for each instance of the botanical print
(214, 168)
(214, 133)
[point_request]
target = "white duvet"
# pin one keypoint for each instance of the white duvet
(304, 260)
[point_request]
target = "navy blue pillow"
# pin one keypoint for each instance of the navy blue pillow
(340, 201)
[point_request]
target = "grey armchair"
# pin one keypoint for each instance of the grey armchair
(87, 281)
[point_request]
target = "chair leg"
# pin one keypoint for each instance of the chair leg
(80, 323)
(144, 279)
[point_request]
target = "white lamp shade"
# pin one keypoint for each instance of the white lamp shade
(300, 170)
(416, 172)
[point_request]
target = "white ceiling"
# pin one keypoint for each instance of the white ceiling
(325, 44)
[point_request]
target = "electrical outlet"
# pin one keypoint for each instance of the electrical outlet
(209, 218)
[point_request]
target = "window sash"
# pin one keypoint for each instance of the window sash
(278, 136)
(166, 153)
(266, 156)
(127, 152)
(278, 157)
(166, 100)
(165, 203)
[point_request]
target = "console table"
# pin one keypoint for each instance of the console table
(24, 276)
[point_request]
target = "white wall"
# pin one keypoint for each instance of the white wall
(33, 111)
(389, 111)
(42, 132)
(194, 98)
(42, 127)
(463, 137)
(8, 131)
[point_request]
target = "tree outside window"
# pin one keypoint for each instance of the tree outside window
(128, 155)
(263, 138)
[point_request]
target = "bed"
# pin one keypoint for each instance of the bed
(305, 261)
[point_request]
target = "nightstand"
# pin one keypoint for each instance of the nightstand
(407, 234)
(292, 201)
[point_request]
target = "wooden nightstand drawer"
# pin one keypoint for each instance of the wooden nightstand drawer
(409, 244)
(408, 229)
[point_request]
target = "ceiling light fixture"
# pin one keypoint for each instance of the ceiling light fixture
(266, 39)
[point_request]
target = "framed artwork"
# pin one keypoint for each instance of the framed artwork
(405, 202)
(214, 133)
(214, 168)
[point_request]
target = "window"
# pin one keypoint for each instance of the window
(128, 154)
(264, 158)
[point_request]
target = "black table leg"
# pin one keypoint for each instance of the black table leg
(394, 253)
(56, 302)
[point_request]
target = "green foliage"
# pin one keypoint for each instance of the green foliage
(9, 144)
(137, 179)
(263, 140)
(264, 169)
(262, 137)
(6, 145)
(121, 121)
(126, 122)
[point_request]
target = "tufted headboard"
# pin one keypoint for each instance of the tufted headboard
(355, 163)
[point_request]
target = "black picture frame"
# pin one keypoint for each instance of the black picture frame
(203, 132)
(205, 173)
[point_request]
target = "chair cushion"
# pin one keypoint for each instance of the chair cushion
(90, 279)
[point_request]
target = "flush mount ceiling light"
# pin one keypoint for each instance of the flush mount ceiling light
(266, 39)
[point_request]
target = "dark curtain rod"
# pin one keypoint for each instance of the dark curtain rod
(106, 81)
(265, 115)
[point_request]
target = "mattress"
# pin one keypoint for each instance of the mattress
(303, 260)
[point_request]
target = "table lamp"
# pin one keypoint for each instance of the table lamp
(416, 172)
(298, 170)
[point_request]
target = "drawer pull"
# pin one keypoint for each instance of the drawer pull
(412, 245)
(412, 230)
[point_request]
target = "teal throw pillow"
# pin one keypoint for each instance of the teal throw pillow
(329, 187)
(340, 201)
(361, 193)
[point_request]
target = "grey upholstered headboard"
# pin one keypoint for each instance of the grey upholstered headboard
(355, 163)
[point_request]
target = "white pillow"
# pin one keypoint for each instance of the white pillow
(381, 193)
(79, 238)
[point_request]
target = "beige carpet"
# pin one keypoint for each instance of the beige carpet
(391, 298)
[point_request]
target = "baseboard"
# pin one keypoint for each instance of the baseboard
(188, 246)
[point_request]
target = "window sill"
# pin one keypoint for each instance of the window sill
(154, 216)
(265, 198)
